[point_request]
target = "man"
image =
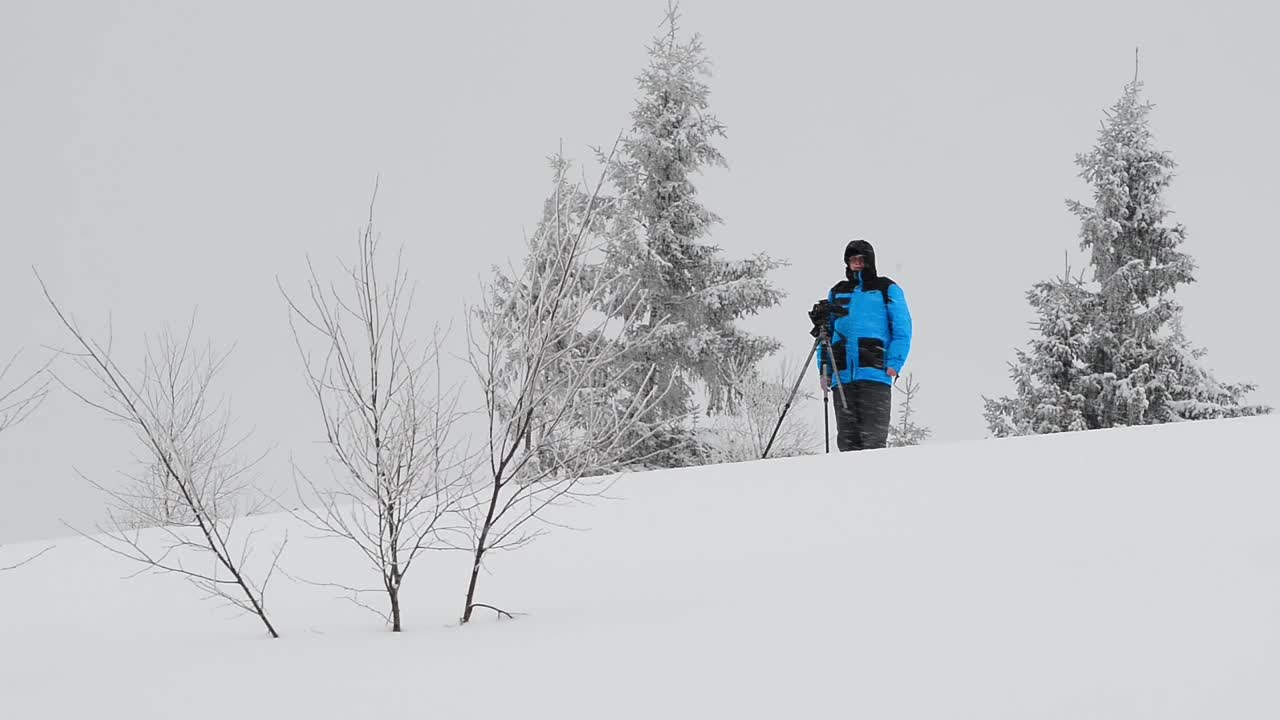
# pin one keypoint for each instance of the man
(869, 325)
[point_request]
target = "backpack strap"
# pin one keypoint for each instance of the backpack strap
(884, 283)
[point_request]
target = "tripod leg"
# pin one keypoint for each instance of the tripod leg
(831, 353)
(826, 418)
(803, 369)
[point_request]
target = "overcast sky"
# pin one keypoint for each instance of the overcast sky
(162, 158)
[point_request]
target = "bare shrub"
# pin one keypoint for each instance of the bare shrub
(743, 434)
(556, 375)
(388, 424)
(179, 514)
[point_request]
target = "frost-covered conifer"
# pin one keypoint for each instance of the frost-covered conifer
(1114, 353)
(662, 240)
(1142, 368)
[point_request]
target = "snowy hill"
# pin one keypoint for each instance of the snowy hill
(1118, 574)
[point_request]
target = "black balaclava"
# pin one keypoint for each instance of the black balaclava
(868, 253)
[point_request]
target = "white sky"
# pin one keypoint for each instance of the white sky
(159, 159)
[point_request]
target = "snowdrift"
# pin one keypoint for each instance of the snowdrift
(1112, 574)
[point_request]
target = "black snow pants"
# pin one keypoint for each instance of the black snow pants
(864, 423)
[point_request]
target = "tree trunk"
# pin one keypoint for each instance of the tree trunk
(391, 580)
(480, 550)
(471, 588)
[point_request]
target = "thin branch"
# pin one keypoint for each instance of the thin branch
(24, 562)
(17, 404)
(500, 612)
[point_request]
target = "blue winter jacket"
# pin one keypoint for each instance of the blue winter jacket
(874, 335)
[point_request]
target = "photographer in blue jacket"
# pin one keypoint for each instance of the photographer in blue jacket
(869, 324)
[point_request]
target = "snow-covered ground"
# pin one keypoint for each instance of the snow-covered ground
(1122, 574)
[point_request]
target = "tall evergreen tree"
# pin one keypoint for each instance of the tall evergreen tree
(1142, 368)
(1115, 354)
(686, 281)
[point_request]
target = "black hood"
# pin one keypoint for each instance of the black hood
(863, 248)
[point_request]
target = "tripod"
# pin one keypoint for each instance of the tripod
(823, 339)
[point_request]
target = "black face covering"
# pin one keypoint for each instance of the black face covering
(868, 253)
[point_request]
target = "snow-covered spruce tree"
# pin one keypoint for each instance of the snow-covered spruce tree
(659, 240)
(1049, 389)
(1113, 353)
(1142, 369)
(906, 431)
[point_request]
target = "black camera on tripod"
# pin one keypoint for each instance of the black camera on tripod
(821, 315)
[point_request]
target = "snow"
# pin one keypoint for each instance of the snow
(1104, 574)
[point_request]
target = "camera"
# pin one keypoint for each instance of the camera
(821, 315)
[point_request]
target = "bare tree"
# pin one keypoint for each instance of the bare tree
(388, 424)
(18, 402)
(193, 486)
(555, 374)
(743, 434)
